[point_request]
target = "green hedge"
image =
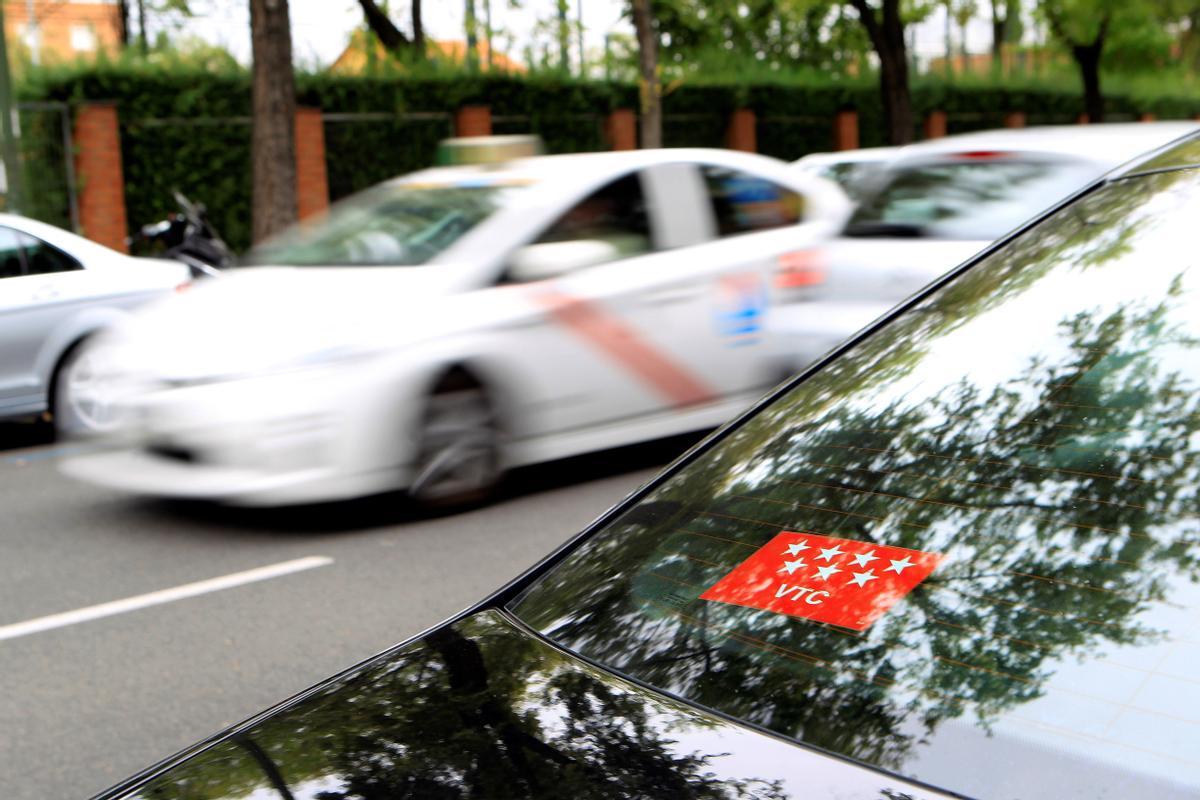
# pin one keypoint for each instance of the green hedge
(189, 129)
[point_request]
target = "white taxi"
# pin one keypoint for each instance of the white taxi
(440, 328)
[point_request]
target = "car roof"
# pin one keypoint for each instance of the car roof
(576, 166)
(1109, 143)
(862, 154)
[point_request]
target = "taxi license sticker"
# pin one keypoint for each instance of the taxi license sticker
(842, 582)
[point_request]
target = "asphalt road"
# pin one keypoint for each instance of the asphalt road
(85, 704)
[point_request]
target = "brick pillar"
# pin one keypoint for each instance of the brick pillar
(1014, 119)
(741, 133)
(101, 177)
(312, 181)
(845, 130)
(473, 121)
(1147, 117)
(620, 129)
(935, 125)
(1082, 119)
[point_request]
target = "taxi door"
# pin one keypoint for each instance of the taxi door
(651, 325)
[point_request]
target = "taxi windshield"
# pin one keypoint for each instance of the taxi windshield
(968, 550)
(395, 224)
(966, 199)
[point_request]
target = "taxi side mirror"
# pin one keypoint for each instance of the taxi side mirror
(539, 262)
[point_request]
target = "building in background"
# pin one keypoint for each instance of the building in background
(365, 50)
(61, 30)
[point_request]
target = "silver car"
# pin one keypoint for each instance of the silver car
(56, 290)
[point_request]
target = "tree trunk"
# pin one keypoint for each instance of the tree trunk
(472, 54)
(418, 39)
(999, 36)
(1087, 56)
(564, 38)
(123, 22)
(273, 145)
(651, 91)
(887, 37)
(144, 43)
(389, 35)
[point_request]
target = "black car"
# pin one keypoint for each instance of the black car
(959, 557)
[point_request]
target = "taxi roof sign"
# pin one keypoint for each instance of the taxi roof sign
(469, 150)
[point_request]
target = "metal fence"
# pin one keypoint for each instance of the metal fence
(47, 162)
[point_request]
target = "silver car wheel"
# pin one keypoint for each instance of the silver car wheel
(83, 400)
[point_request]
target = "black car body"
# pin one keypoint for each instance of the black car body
(1021, 442)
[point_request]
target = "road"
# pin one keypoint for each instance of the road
(93, 700)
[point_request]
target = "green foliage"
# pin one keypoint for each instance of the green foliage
(186, 124)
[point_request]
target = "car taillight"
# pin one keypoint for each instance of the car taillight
(982, 155)
(183, 287)
(800, 268)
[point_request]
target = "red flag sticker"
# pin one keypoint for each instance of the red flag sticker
(843, 582)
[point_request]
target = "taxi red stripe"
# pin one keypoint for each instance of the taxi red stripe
(624, 345)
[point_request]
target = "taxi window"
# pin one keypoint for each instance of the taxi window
(395, 224)
(616, 214)
(968, 550)
(744, 203)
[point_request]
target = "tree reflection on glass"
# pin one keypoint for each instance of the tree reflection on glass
(472, 710)
(1062, 490)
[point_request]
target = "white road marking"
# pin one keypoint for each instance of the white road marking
(162, 596)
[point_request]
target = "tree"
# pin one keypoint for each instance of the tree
(273, 146)
(1006, 27)
(1132, 33)
(964, 12)
(885, 28)
(648, 81)
(390, 36)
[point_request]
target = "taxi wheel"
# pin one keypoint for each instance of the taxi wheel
(458, 455)
(78, 404)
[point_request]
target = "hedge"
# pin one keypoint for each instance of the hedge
(189, 129)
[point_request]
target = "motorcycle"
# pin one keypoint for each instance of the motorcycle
(188, 236)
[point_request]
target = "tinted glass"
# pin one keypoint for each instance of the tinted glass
(746, 203)
(968, 199)
(991, 583)
(44, 259)
(11, 265)
(390, 225)
(615, 214)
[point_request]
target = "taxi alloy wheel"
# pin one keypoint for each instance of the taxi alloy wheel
(458, 457)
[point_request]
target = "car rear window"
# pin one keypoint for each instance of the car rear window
(968, 550)
(982, 196)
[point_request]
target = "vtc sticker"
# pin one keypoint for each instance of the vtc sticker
(823, 578)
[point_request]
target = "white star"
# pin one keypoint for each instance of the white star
(899, 566)
(792, 566)
(797, 548)
(825, 572)
(861, 578)
(862, 559)
(828, 553)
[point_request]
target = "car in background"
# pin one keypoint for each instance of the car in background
(854, 170)
(938, 203)
(441, 328)
(56, 290)
(955, 559)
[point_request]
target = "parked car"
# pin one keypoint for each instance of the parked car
(56, 290)
(956, 558)
(939, 203)
(854, 170)
(441, 328)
